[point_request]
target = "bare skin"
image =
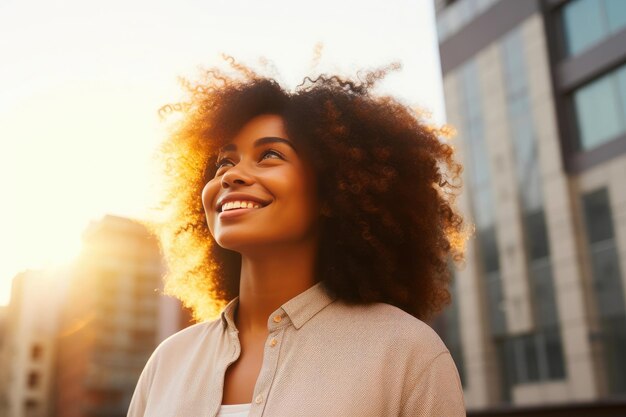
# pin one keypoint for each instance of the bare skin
(259, 297)
(277, 242)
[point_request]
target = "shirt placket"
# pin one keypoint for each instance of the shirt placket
(277, 324)
(218, 379)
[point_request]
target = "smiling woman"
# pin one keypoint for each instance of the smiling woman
(319, 224)
(261, 167)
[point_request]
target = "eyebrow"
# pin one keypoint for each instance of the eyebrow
(259, 142)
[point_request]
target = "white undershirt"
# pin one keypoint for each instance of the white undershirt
(234, 410)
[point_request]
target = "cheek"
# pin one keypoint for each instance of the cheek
(209, 193)
(302, 196)
(308, 189)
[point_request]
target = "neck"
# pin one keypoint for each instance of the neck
(269, 279)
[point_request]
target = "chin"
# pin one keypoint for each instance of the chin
(237, 243)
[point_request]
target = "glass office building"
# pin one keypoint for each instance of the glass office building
(537, 92)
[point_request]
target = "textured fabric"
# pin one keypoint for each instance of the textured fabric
(322, 357)
(234, 410)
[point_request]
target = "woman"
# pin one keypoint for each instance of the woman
(326, 229)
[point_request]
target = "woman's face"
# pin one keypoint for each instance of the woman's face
(263, 192)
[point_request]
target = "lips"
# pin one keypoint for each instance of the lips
(225, 215)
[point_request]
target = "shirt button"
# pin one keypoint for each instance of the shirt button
(273, 342)
(278, 318)
(258, 399)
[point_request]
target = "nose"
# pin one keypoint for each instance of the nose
(236, 175)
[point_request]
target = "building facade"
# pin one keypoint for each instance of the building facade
(537, 92)
(110, 322)
(28, 349)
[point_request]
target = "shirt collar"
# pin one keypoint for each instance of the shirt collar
(300, 308)
(228, 314)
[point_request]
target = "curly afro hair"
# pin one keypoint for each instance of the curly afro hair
(386, 181)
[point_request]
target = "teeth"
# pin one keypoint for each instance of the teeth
(231, 205)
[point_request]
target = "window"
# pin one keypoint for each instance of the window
(490, 258)
(600, 108)
(546, 313)
(533, 357)
(533, 351)
(33, 380)
(536, 235)
(554, 353)
(508, 374)
(607, 286)
(483, 208)
(143, 337)
(497, 313)
(529, 361)
(613, 336)
(615, 14)
(457, 13)
(31, 408)
(521, 124)
(448, 325)
(473, 133)
(607, 281)
(597, 212)
(36, 352)
(489, 250)
(587, 22)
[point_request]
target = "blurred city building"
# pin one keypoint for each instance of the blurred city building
(3, 340)
(28, 343)
(537, 91)
(112, 320)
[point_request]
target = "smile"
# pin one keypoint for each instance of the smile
(235, 208)
(235, 205)
(236, 212)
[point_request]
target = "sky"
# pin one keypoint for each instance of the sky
(81, 82)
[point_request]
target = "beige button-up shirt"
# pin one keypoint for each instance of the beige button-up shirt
(322, 358)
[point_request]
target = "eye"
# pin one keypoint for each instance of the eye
(222, 162)
(274, 154)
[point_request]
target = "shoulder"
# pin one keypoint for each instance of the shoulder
(176, 359)
(387, 322)
(187, 340)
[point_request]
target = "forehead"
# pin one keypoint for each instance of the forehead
(266, 125)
